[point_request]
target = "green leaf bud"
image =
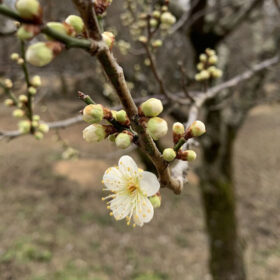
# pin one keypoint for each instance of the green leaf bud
(155, 200)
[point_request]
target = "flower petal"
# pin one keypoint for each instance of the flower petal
(128, 167)
(121, 206)
(149, 183)
(143, 212)
(113, 179)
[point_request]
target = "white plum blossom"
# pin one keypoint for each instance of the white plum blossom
(131, 188)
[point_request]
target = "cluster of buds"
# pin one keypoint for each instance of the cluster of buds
(180, 136)
(17, 58)
(207, 66)
(149, 110)
(118, 129)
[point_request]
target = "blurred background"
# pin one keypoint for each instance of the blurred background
(53, 223)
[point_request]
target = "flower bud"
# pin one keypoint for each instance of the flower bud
(36, 118)
(123, 140)
(36, 81)
(38, 135)
(157, 127)
(9, 102)
(18, 113)
(153, 22)
(143, 39)
(156, 14)
(20, 61)
(23, 98)
(203, 57)
(169, 154)
(76, 22)
(200, 66)
(217, 73)
(30, 10)
(121, 117)
(32, 90)
(197, 77)
(14, 56)
(93, 113)
(24, 126)
(155, 200)
(204, 75)
(178, 131)
(167, 18)
(43, 127)
(8, 83)
(151, 107)
(39, 54)
(94, 133)
(188, 155)
(210, 51)
(157, 43)
(213, 59)
(197, 129)
(34, 123)
(27, 31)
(109, 39)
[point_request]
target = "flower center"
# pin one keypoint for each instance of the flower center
(132, 189)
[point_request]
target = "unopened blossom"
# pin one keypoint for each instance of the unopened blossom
(131, 188)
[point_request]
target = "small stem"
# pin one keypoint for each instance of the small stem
(179, 144)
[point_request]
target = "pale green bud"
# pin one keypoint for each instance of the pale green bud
(213, 59)
(200, 66)
(36, 81)
(18, 113)
(197, 128)
(14, 56)
(188, 155)
(167, 18)
(108, 38)
(157, 128)
(24, 34)
(112, 137)
(121, 116)
(35, 123)
(32, 90)
(36, 118)
(76, 22)
(203, 57)
(38, 135)
(20, 61)
(28, 9)
(123, 140)
(157, 43)
(151, 107)
(204, 75)
(169, 154)
(8, 83)
(153, 22)
(217, 73)
(24, 126)
(178, 128)
(9, 102)
(93, 113)
(43, 127)
(143, 39)
(156, 14)
(197, 77)
(155, 200)
(94, 133)
(39, 54)
(23, 98)
(210, 52)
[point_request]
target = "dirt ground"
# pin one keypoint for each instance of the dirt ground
(54, 226)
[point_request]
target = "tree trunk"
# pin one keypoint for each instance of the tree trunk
(218, 198)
